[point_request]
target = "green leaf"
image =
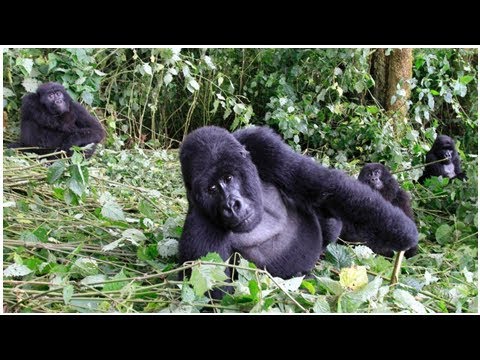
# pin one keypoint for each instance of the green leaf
(254, 289)
(188, 296)
(67, 294)
(406, 300)
(204, 277)
(7, 92)
(466, 79)
(306, 284)
(118, 285)
(321, 305)
(146, 209)
(75, 186)
(290, 284)
(443, 235)
(135, 236)
(41, 234)
(16, 270)
(70, 197)
(193, 86)
(94, 279)
(55, 171)
(354, 277)
(147, 253)
(167, 79)
(167, 247)
(27, 64)
(359, 86)
(148, 69)
(372, 109)
(85, 306)
(30, 85)
(434, 92)
(76, 159)
(338, 256)
(87, 97)
(85, 267)
(238, 108)
(419, 62)
(98, 72)
(212, 257)
(111, 210)
(351, 301)
(332, 286)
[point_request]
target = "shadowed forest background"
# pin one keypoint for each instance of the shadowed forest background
(100, 235)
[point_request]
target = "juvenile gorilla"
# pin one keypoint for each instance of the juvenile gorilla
(249, 192)
(443, 148)
(52, 120)
(379, 178)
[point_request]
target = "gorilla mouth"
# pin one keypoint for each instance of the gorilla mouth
(247, 220)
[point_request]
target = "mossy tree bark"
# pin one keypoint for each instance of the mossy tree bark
(388, 71)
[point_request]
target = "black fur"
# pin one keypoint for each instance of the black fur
(378, 177)
(286, 199)
(51, 120)
(442, 148)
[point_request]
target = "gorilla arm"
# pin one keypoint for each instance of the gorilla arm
(87, 129)
(346, 198)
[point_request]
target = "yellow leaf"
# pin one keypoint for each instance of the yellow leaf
(353, 277)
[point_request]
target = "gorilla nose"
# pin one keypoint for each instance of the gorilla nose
(232, 207)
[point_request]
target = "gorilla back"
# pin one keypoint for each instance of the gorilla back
(249, 192)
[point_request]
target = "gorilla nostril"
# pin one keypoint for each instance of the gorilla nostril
(237, 205)
(227, 212)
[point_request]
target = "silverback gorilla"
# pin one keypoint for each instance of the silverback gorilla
(379, 178)
(51, 120)
(248, 192)
(443, 148)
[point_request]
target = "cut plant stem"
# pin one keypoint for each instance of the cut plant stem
(396, 267)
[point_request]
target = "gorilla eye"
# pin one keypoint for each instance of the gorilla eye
(212, 189)
(51, 96)
(228, 178)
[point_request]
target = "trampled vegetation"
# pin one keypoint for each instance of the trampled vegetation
(101, 235)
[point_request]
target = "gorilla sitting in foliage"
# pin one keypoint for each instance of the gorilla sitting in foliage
(52, 121)
(249, 192)
(379, 179)
(443, 148)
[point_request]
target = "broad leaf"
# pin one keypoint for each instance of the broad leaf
(55, 171)
(16, 270)
(338, 256)
(111, 210)
(67, 293)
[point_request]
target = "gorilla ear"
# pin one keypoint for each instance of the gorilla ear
(244, 153)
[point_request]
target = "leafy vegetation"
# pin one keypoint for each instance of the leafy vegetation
(101, 235)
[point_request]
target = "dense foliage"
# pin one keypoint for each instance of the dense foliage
(101, 235)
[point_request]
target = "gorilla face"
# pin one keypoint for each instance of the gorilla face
(444, 148)
(371, 175)
(55, 98)
(225, 187)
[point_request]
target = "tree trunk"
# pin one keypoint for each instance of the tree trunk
(388, 71)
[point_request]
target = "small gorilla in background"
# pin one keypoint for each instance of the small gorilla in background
(379, 178)
(51, 120)
(249, 192)
(443, 148)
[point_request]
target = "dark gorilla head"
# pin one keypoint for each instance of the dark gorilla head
(221, 180)
(443, 147)
(54, 97)
(379, 178)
